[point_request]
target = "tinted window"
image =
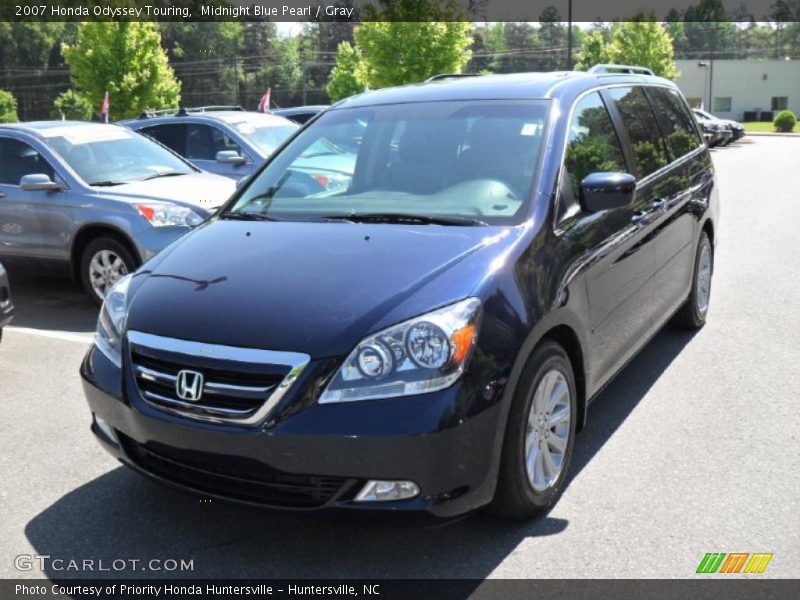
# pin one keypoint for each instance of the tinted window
(461, 159)
(647, 145)
(593, 144)
(172, 136)
(203, 142)
(675, 120)
(18, 159)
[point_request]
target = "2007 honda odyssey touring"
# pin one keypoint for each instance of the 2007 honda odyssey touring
(426, 335)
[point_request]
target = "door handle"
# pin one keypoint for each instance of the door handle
(639, 215)
(2, 195)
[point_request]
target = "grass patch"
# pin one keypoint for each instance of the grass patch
(760, 126)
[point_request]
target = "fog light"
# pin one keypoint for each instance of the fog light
(387, 491)
(107, 430)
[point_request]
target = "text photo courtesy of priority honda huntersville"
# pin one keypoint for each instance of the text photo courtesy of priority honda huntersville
(426, 332)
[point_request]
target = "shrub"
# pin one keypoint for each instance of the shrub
(785, 121)
(71, 105)
(8, 107)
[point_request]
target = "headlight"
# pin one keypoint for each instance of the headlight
(332, 181)
(165, 215)
(111, 323)
(424, 354)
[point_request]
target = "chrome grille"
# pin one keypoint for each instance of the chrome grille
(239, 385)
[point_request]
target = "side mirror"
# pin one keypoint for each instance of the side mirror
(241, 181)
(602, 191)
(37, 182)
(230, 157)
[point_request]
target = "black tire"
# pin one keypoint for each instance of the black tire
(515, 497)
(99, 245)
(690, 315)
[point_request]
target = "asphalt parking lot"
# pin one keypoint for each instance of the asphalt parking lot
(694, 448)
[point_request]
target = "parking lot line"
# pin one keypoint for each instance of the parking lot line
(81, 338)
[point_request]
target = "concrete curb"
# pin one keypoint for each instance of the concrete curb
(771, 134)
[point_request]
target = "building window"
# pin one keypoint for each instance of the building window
(695, 102)
(780, 102)
(722, 104)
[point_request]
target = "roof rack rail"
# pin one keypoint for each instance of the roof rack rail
(600, 69)
(183, 110)
(442, 76)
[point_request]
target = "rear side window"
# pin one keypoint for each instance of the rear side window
(18, 159)
(647, 145)
(593, 145)
(675, 120)
(203, 142)
(172, 136)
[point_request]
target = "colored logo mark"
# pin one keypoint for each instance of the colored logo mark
(734, 562)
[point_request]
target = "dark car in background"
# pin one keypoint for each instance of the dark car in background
(300, 114)
(716, 133)
(427, 335)
(736, 128)
(225, 140)
(6, 305)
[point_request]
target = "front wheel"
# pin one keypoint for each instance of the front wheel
(103, 262)
(692, 315)
(539, 436)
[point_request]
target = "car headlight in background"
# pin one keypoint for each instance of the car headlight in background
(421, 355)
(166, 215)
(111, 323)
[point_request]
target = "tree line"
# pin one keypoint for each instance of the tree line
(53, 69)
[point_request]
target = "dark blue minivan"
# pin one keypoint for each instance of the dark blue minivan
(425, 332)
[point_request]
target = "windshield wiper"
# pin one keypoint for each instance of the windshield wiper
(406, 218)
(157, 175)
(242, 216)
(107, 183)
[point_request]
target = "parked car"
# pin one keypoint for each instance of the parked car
(300, 114)
(227, 141)
(737, 129)
(6, 305)
(714, 132)
(96, 198)
(428, 336)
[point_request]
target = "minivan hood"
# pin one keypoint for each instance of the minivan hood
(205, 190)
(316, 288)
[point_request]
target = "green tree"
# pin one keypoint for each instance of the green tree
(347, 76)
(593, 52)
(70, 105)
(127, 60)
(407, 42)
(8, 107)
(644, 43)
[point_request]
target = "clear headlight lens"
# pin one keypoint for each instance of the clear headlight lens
(111, 323)
(166, 215)
(421, 355)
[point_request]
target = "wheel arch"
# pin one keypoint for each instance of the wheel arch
(90, 232)
(564, 328)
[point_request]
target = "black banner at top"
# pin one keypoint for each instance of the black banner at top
(400, 10)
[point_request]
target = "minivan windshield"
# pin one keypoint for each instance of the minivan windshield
(454, 162)
(105, 155)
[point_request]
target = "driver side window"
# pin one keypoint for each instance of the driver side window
(592, 146)
(18, 159)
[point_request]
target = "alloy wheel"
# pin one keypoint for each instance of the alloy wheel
(105, 268)
(548, 431)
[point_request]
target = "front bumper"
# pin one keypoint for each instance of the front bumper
(318, 458)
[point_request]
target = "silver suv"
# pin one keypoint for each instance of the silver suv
(98, 198)
(224, 140)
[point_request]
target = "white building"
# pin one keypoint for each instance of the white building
(731, 88)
